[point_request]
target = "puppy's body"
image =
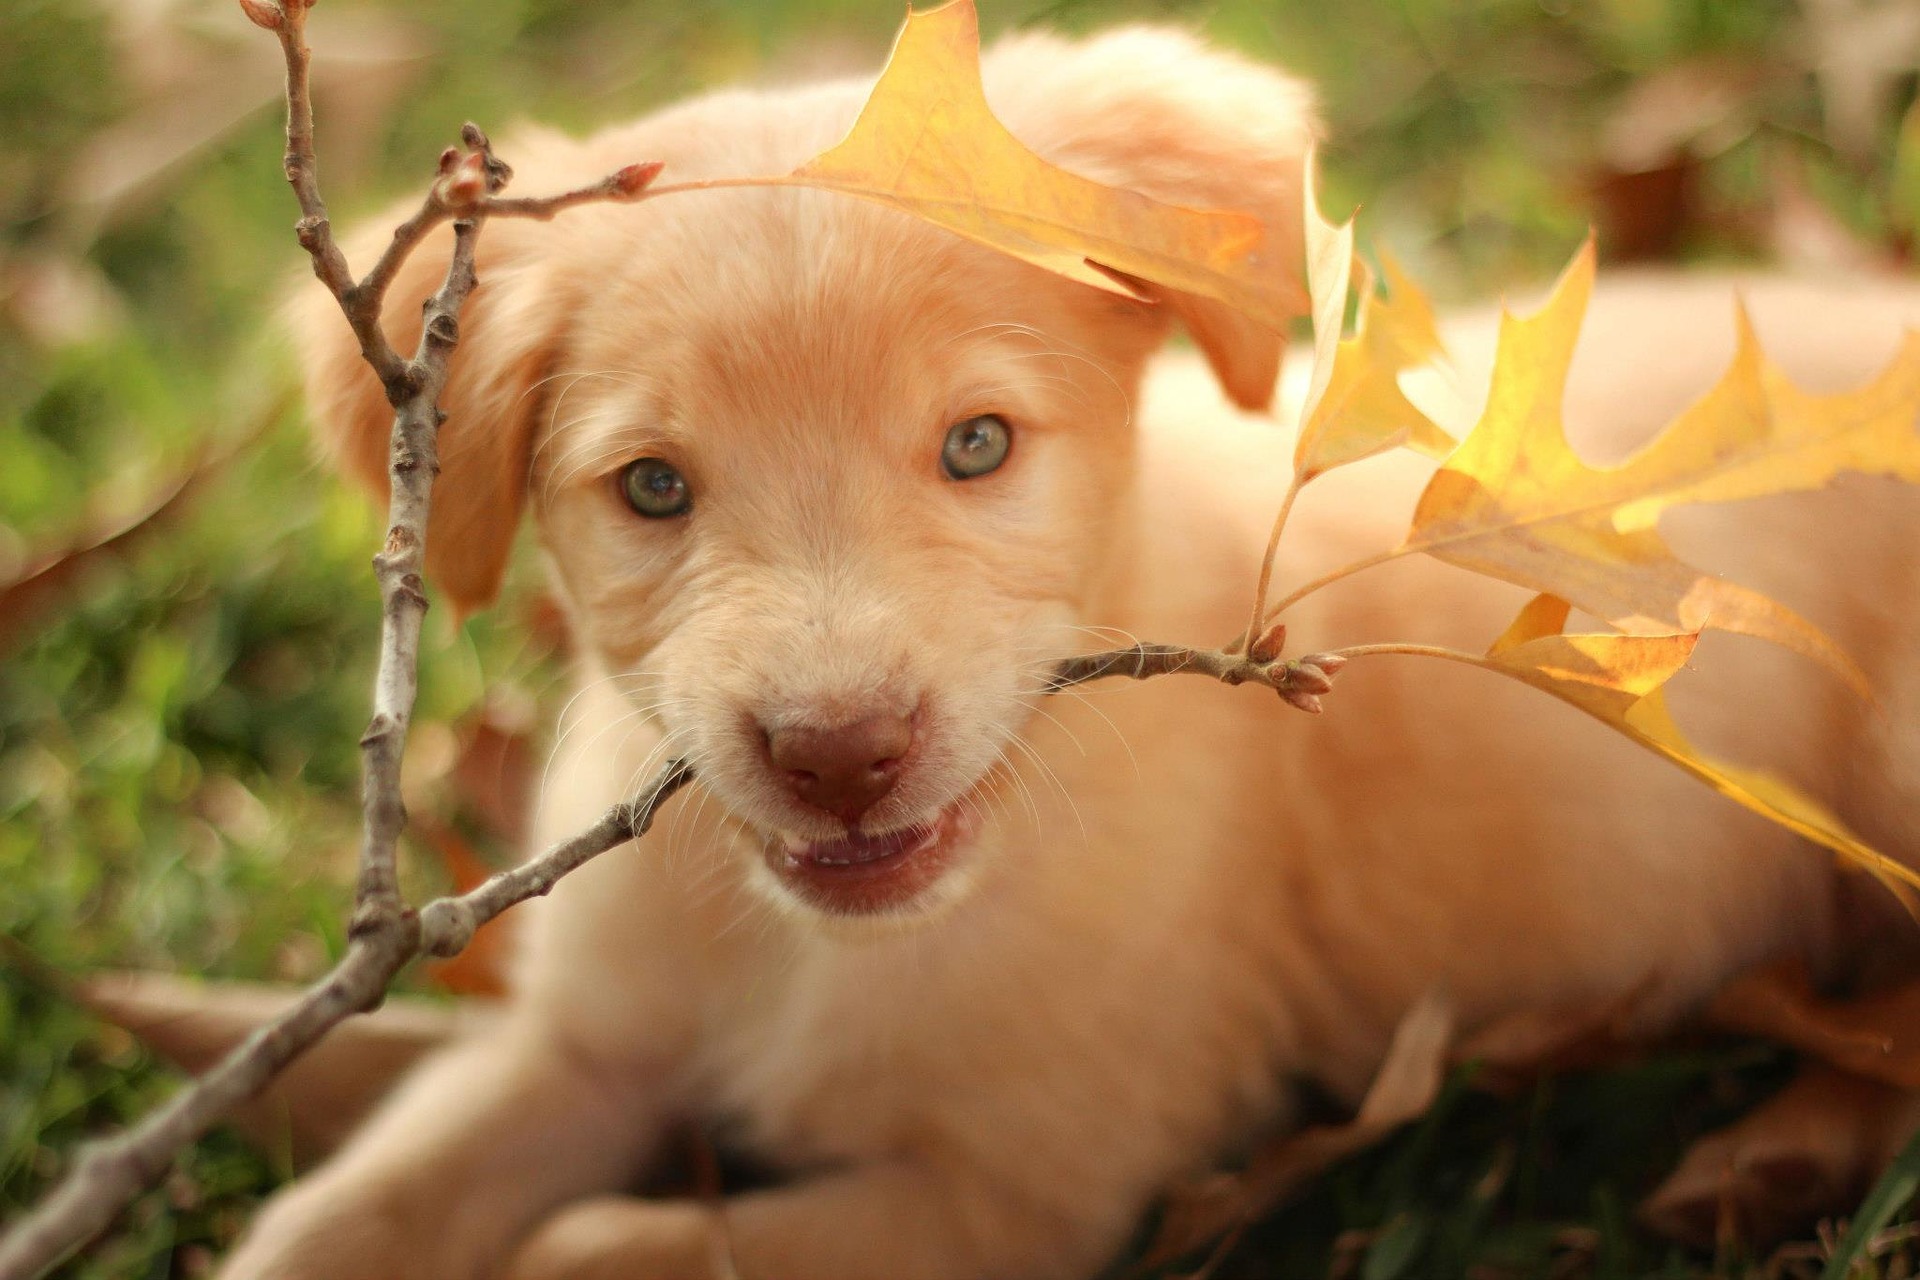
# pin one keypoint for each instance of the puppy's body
(1169, 898)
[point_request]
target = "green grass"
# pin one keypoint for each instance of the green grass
(177, 763)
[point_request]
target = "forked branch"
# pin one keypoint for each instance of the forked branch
(385, 934)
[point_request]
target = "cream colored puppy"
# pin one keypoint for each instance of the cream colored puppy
(823, 490)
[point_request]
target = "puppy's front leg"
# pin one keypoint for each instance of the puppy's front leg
(476, 1147)
(897, 1221)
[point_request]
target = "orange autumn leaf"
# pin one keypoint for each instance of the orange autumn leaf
(927, 143)
(1617, 679)
(1516, 502)
(1875, 1035)
(1354, 406)
(1402, 1091)
(1810, 1148)
(1808, 1151)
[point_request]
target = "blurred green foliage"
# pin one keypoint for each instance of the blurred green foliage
(178, 772)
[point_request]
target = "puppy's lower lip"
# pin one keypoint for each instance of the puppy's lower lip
(858, 874)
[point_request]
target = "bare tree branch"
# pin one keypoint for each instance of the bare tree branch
(448, 924)
(384, 934)
(1301, 682)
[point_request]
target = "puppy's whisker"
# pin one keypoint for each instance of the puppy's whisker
(644, 712)
(1085, 698)
(1060, 725)
(565, 729)
(1053, 779)
(1019, 785)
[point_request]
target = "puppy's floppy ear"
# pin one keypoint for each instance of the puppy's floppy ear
(1156, 111)
(510, 330)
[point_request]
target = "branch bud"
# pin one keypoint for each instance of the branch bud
(447, 925)
(1307, 702)
(498, 172)
(464, 183)
(1271, 645)
(1308, 678)
(1330, 663)
(1314, 673)
(635, 178)
(264, 14)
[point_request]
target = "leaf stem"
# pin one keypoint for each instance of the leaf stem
(1324, 580)
(1416, 650)
(1254, 623)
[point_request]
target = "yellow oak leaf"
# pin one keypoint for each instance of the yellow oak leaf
(927, 143)
(1516, 502)
(1617, 679)
(1354, 407)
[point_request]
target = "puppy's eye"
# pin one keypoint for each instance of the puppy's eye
(976, 446)
(655, 490)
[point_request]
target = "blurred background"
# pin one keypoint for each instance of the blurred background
(187, 622)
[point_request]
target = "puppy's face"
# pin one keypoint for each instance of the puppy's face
(829, 486)
(824, 487)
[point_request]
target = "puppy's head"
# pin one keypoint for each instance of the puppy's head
(829, 484)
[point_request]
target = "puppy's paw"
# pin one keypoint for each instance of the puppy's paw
(625, 1238)
(312, 1233)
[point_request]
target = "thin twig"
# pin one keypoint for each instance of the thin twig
(623, 184)
(1300, 682)
(366, 299)
(315, 228)
(448, 924)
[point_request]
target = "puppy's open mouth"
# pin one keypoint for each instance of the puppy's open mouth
(862, 874)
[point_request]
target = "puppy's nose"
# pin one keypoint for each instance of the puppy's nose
(846, 769)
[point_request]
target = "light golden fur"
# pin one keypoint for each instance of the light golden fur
(1179, 895)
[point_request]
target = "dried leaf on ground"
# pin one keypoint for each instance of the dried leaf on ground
(1875, 1035)
(1809, 1150)
(1516, 502)
(1403, 1090)
(318, 1100)
(1515, 1051)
